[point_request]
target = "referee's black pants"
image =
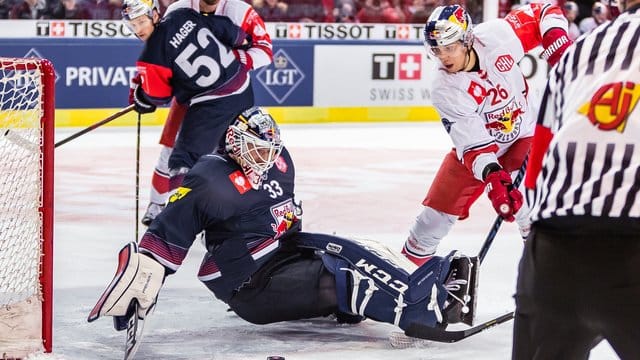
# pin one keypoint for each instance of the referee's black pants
(578, 283)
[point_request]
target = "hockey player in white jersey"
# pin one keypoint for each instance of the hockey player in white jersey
(485, 105)
(259, 54)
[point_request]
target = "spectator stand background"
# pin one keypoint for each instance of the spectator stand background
(363, 11)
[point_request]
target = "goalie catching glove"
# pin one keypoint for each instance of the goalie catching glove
(506, 199)
(138, 278)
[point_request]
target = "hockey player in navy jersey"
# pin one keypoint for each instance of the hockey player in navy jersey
(190, 57)
(256, 55)
(258, 260)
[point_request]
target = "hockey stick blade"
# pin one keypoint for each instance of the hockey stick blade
(439, 335)
(21, 141)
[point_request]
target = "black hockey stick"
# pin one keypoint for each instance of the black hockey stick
(441, 335)
(138, 175)
(96, 125)
(496, 224)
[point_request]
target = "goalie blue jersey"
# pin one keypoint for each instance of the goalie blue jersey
(191, 57)
(243, 226)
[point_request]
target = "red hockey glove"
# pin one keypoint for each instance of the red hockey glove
(555, 42)
(505, 198)
(135, 81)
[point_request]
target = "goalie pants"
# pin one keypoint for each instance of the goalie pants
(578, 284)
(291, 286)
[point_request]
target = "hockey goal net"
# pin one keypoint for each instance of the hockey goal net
(26, 205)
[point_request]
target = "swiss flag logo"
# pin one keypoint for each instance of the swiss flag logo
(295, 31)
(403, 32)
(410, 66)
(240, 181)
(56, 29)
(477, 91)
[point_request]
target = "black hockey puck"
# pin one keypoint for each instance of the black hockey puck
(275, 357)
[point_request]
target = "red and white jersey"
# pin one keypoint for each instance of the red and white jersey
(243, 15)
(486, 111)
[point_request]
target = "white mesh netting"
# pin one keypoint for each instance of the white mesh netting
(20, 196)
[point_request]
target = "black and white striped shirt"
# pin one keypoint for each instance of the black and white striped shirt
(591, 105)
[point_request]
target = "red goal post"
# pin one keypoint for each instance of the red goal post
(27, 104)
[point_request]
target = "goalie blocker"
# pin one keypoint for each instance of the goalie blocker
(138, 278)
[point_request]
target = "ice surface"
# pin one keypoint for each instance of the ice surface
(364, 180)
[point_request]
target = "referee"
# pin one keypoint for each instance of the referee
(579, 277)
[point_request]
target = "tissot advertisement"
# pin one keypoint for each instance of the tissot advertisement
(319, 65)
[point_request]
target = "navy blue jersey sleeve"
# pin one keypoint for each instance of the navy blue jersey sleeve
(193, 206)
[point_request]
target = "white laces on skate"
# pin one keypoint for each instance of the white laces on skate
(455, 285)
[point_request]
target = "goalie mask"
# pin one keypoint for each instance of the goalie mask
(253, 141)
(446, 25)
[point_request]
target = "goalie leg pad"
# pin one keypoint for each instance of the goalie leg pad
(138, 278)
(371, 282)
(363, 294)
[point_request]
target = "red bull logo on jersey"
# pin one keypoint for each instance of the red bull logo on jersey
(284, 217)
(504, 124)
(611, 105)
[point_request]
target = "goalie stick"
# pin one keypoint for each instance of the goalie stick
(135, 329)
(439, 335)
(135, 325)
